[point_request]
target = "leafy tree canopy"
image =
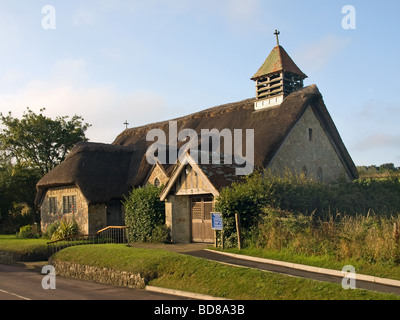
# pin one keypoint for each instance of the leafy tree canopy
(37, 141)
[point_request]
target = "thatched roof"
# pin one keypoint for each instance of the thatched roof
(100, 171)
(106, 171)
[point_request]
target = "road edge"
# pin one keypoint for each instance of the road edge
(181, 293)
(331, 272)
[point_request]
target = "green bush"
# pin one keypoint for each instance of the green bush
(29, 232)
(51, 228)
(63, 228)
(145, 215)
(371, 238)
(299, 195)
(161, 234)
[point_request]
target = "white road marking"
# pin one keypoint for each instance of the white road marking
(14, 294)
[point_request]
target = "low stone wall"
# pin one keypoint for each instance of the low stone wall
(100, 275)
(9, 257)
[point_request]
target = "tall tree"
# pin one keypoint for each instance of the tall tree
(29, 148)
(39, 142)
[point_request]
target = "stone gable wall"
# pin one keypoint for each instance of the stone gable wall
(157, 173)
(314, 156)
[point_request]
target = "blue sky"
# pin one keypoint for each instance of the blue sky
(152, 60)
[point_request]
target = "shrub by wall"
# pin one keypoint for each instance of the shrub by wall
(63, 228)
(299, 195)
(29, 232)
(145, 215)
(373, 239)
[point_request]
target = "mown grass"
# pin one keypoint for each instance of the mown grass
(11, 243)
(177, 271)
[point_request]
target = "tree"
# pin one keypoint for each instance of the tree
(387, 167)
(29, 148)
(17, 196)
(37, 141)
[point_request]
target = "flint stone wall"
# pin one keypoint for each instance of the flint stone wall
(9, 257)
(100, 275)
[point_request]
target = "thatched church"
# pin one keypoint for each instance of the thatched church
(292, 130)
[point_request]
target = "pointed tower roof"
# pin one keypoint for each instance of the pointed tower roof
(278, 61)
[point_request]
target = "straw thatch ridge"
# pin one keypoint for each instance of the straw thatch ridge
(103, 172)
(100, 171)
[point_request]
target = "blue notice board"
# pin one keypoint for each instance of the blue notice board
(216, 218)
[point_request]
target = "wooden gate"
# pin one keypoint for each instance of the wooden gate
(201, 219)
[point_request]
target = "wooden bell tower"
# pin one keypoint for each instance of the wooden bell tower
(278, 77)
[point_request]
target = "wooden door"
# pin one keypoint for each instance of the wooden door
(201, 219)
(114, 214)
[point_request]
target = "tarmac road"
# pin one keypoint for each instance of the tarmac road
(23, 283)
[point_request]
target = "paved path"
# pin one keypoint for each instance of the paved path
(24, 283)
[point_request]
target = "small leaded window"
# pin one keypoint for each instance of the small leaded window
(53, 205)
(69, 204)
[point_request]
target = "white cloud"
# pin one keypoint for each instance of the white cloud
(83, 17)
(378, 141)
(102, 106)
(70, 71)
(10, 78)
(10, 34)
(242, 10)
(240, 16)
(316, 56)
(69, 91)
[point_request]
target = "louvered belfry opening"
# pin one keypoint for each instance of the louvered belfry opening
(277, 78)
(282, 83)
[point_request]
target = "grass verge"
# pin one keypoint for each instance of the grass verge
(323, 261)
(177, 271)
(10, 243)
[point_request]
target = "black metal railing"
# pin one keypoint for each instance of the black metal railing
(106, 235)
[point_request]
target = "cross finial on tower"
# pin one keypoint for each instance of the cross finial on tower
(126, 123)
(277, 33)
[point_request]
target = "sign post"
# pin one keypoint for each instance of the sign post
(238, 230)
(217, 225)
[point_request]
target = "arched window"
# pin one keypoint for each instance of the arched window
(196, 181)
(157, 182)
(305, 171)
(319, 174)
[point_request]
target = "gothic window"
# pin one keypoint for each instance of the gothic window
(196, 181)
(182, 180)
(187, 176)
(157, 183)
(319, 174)
(305, 171)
